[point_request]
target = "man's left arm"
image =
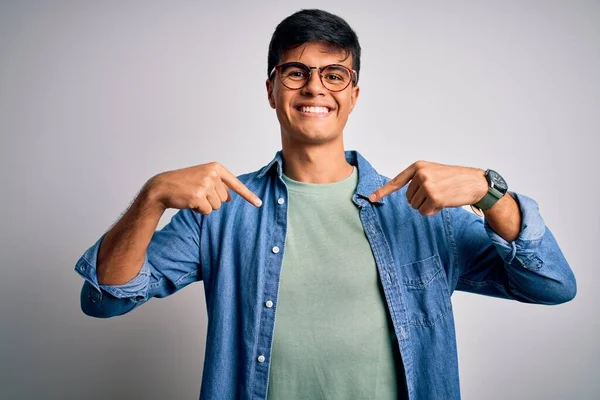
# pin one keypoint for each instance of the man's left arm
(511, 253)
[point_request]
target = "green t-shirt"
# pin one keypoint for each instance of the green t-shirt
(333, 338)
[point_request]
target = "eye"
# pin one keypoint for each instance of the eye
(335, 75)
(296, 74)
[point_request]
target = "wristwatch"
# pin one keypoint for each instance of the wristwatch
(497, 188)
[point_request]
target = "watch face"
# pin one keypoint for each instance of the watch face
(496, 181)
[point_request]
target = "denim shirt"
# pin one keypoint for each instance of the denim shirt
(237, 252)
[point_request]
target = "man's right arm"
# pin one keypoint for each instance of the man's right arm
(132, 262)
(119, 267)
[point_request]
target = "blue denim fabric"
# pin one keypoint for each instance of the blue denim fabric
(237, 251)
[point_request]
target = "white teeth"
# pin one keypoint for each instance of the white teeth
(322, 110)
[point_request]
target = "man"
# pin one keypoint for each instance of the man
(356, 269)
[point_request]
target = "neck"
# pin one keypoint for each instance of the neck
(315, 163)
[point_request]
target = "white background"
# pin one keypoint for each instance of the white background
(97, 97)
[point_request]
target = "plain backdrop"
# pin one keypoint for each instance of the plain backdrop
(97, 97)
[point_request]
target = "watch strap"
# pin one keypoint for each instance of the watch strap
(490, 198)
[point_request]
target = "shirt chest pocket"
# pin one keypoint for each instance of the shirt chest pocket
(426, 295)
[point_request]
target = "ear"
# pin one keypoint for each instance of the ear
(354, 97)
(270, 93)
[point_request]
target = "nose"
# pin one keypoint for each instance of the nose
(314, 86)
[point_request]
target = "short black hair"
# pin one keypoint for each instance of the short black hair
(313, 25)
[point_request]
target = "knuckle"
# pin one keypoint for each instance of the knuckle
(428, 185)
(421, 175)
(200, 193)
(419, 164)
(202, 210)
(207, 181)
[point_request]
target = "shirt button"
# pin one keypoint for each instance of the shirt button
(275, 249)
(269, 304)
(261, 358)
(280, 200)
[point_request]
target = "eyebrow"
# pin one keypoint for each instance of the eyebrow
(338, 67)
(335, 65)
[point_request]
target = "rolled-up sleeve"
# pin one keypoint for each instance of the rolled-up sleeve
(135, 289)
(531, 269)
(171, 262)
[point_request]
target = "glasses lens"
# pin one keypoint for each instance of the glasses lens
(294, 75)
(336, 77)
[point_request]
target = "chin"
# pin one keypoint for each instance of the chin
(314, 136)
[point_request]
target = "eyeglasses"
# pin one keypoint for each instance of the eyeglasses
(295, 75)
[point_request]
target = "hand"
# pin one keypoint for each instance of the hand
(203, 188)
(435, 186)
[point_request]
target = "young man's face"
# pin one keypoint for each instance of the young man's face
(306, 127)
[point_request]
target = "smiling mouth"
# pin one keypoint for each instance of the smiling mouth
(319, 110)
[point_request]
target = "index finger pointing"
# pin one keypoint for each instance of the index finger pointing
(237, 186)
(394, 184)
